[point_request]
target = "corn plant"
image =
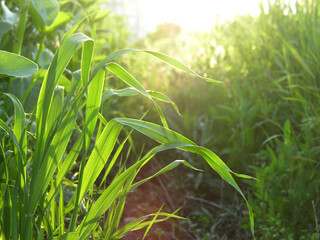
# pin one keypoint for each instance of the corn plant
(33, 203)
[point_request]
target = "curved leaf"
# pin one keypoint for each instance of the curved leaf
(57, 66)
(47, 9)
(165, 58)
(99, 156)
(15, 65)
(167, 168)
(114, 189)
(120, 72)
(126, 92)
(62, 19)
(93, 105)
(19, 125)
(165, 136)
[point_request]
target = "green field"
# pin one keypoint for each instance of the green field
(179, 135)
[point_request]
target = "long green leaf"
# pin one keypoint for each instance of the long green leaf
(8, 130)
(19, 124)
(99, 156)
(177, 64)
(126, 92)
(53, 157)
(57, 66)
(154, 131)
(164, 136)
(66, 165)
(167, 59)
(55, 108)
(139, 223)
(93, 105)
(167, 168)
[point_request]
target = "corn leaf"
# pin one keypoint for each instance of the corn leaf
(93, 105)
(165, 58)
(57, 66)
(99, 156)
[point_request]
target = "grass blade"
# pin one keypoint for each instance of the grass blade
(99, 156)
(93, 105)
(120, 72)
(167, 168)
(57, 66)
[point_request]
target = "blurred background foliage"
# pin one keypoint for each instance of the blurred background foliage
(262, 120)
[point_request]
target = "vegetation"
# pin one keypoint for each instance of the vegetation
(263, 120)
(52, 156)
(70, 153)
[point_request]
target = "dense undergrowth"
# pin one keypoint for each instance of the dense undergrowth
(263, 120)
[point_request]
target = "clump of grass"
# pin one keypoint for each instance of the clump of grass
(38, 155)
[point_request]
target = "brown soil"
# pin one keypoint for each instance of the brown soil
(147, 199)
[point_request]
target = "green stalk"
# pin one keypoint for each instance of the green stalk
(77, 201)
(17, 45)
(61, 214)
(41, 47)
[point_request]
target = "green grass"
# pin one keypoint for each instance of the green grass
(65, 172)
(66, 128)
(269, 69)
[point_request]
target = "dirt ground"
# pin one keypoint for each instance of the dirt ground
(148, 198)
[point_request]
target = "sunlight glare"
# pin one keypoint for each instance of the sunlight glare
(200, 15)
(196, 15)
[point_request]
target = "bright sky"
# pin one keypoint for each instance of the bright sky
(195, 14)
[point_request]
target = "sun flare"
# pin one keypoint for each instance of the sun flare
(196, 15)
(202, 15)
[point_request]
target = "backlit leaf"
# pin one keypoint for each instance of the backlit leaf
(15, 65)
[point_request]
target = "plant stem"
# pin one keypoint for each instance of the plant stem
(77, 201)
(17, 45)
(41, 47)
(316, 218)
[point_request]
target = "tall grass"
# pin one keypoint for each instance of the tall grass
(264, 119)
(40, 149)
